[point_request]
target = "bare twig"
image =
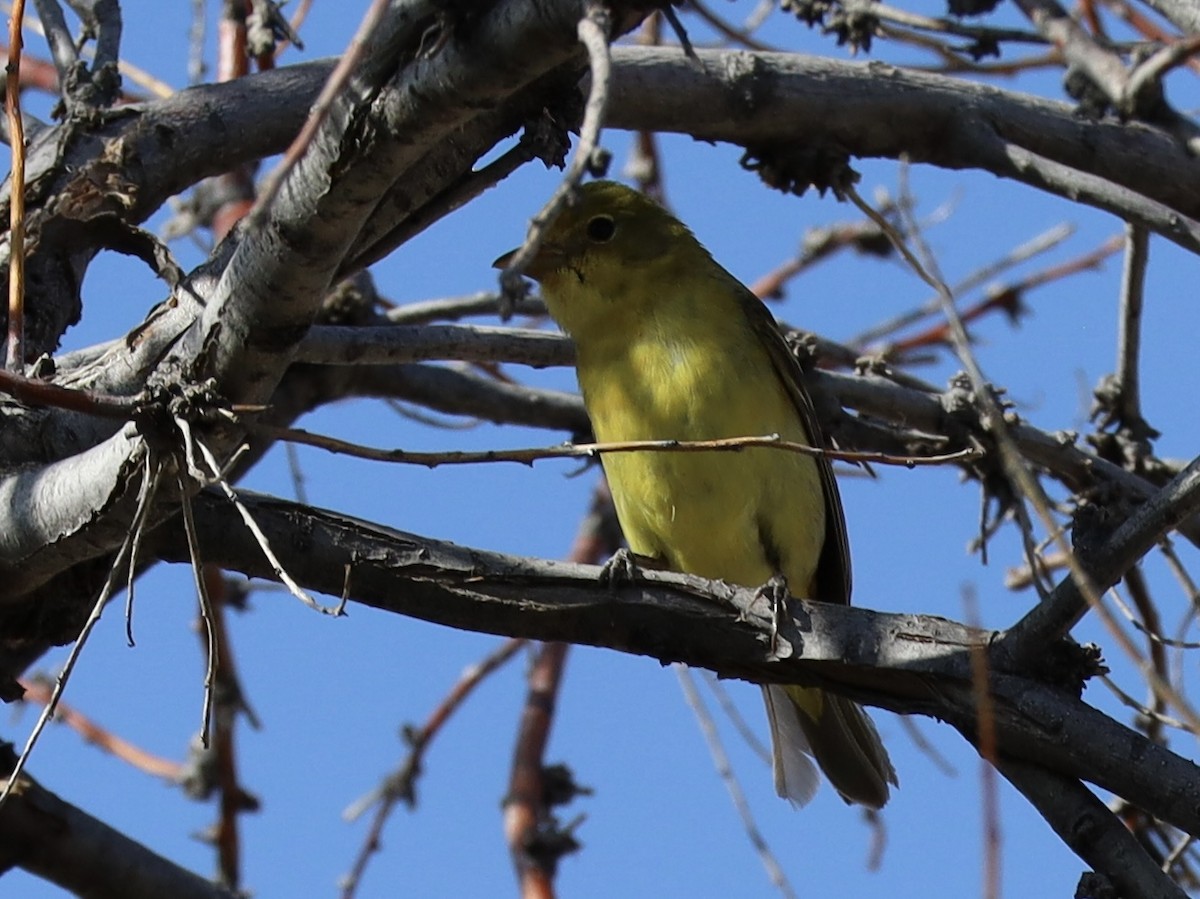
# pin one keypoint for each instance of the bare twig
(743, 36)
(401, 784)
(230, 703)
(320, 111)
(1067, 602)
(58, 36)
(144, 502)
(593, 30)
(1007, 297)
(928, 749)
(1143, 710)
(455, 308)
(43, 393)
(206, 615)
(218, 478)
(590, 450)
(1129, 335)
(725, 771)
(1175, 53)
(1052, 618)
(40, 689)
(735, 717)
(152, 473)
(136, 74)
(958, 28)
(525, 803)
(1042, 243)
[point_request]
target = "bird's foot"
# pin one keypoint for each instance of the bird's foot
(623, 567)
(775, 592)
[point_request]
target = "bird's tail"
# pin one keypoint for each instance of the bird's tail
(841, 738)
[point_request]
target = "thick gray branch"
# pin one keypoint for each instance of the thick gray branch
(906, 663)
(57, 841)
(1097, 836)
(386, 344)
(1137, 535)
(264, 286)
(880, 398)
(773, 100)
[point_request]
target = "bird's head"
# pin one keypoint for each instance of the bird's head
(605, 251)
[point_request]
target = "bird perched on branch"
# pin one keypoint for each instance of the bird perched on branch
(672, 346)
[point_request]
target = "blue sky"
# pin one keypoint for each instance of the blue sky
(333, 695)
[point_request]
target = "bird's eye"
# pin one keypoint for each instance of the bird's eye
(601, 229)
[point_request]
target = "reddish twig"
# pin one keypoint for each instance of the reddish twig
(43, 393)
(819, 244)
(232, 61)
(986, 736)
(35, 73)
(16, 219)
(1145, 27)
(1008, 299)
(525, 809)
(229, 702)
(38, 689)
(645, 165)
(321, 107)
(236, 187)
(1090, 16)
(731, 33)
(401, 785)
(535, 840)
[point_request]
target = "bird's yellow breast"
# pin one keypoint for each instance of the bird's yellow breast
(740, 516)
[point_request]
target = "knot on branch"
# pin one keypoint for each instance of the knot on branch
(1092, 524)
(794, 169)
(852, 26)
(559, 786)
(962, 403)
(1124, 437)
(549, 840)
(1067, 666)
(1092, 100)
(810, 12)
(547, 135)
(1142, 99)
(1096, 886)
(267, 28)
(351, 302)
(164, 404)
(965, 408)
(971, 7)
(804, 346)
(87, 95)
(547, 117)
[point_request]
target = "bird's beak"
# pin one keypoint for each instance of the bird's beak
(548, 258)
(503, 261)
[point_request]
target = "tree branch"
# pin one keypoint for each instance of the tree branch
(57, 841)
(905, 663)
(1095, 834)
(769, 100)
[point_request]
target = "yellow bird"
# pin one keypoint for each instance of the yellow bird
(672, 346)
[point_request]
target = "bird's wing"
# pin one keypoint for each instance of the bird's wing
(832, 580)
